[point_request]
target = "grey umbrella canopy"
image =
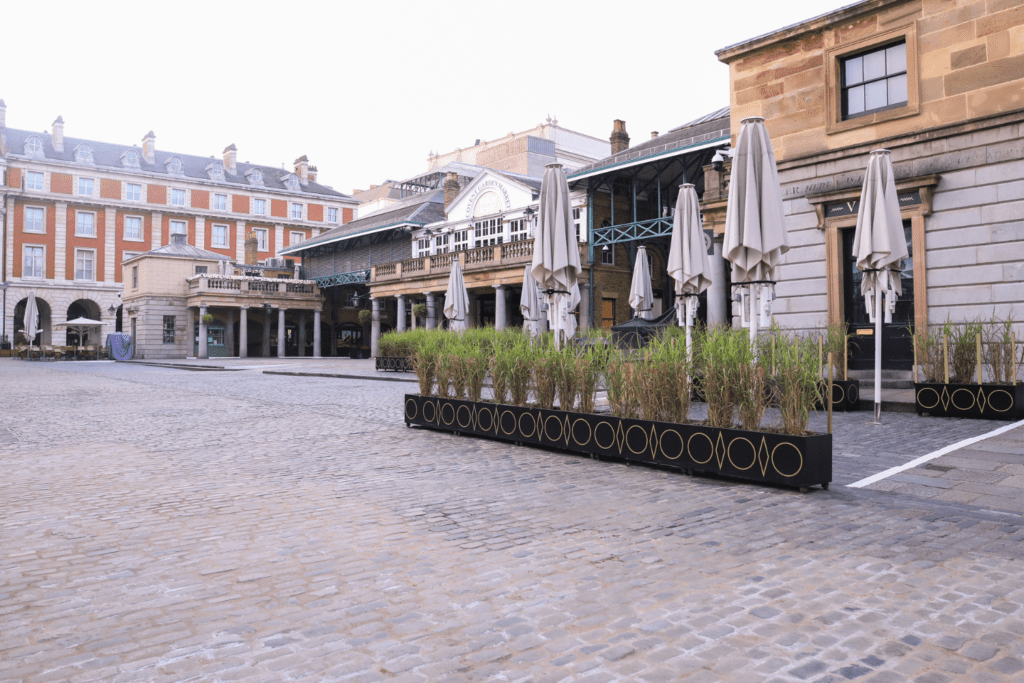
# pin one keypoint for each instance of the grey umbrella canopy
(31, 318)
(556, 255)
(456, 299)
(530, 304)
(879, 246)
(755, 226)
(641, 296)
(688, 261)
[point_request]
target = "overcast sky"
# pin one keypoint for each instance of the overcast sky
(368, 89)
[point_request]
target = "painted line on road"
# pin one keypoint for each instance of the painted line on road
(931, 456)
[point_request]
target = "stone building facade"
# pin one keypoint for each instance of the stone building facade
(181, 301)
(73, 210)
(941, 85)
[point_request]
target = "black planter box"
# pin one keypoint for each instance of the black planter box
(984, 401)
(845, 395)
(396, 363)
(801, 461)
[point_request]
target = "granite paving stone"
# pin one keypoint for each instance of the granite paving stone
(160, 525)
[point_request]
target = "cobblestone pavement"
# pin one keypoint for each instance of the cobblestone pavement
(169, 526)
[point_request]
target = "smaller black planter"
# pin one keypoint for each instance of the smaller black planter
(395, 363)
(845, 395)
(984, 401)
(801, 461)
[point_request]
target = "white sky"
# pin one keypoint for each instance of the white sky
(368, 89)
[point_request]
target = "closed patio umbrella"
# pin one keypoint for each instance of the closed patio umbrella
(31, 320)
(755, 228)
(688, 261)
(879, 246)
(556, 254)
(456, 299)
(641, 296)
(530, 304)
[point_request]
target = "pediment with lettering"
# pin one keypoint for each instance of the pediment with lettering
(489, 194)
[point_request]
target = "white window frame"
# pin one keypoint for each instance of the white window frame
(92, 187)
(125, 255)
(79, 251)
(517, 230)
(332, 214)
(142, 229)
(135, 276)
(422, 247)
(262, 239)
(296, 208)
(441, 244)
(78, 223)
(42, 261)
(488, 232)
(42, 221)
(38, 175)
(217, 197)
(263, 203)
(184, 196)
(296, 237)
(172, 231)
(128, 194)
(578, 218)
(213, 235)
(608, 257)
(460, 238)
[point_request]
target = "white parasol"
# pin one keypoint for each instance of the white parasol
(755, 227)
(641, 296)
(530, 304)
(556, 255)
(879, 246)
(456, 299)
(688, 261)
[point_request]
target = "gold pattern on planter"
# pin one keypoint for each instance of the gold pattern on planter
(415, 409)
(1007, 394)
(590, 432)
(711, 451)
(798, 453)
(920, 399)
(753, 453)
(661, 445)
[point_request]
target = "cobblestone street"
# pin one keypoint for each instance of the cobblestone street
(163, 525)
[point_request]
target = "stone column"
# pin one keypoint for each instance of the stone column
(334, 339)
(585, 306)
(400, 323)
(431, 311)
(316, 334)
(500, 315)
(719, 298)
(265, 351)
(203, 353)
(280, 333)
(375, 327)
(229, 333)
(243, 332)
(302, 333)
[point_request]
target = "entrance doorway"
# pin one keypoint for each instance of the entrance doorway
(897, 344)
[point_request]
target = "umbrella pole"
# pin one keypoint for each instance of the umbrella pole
(878, 354)
(753, 317)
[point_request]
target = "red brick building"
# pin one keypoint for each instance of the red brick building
(72, 210)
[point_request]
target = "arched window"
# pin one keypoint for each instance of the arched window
(487, 204)
(130, 159)
(33, 147)
(83, 154)
(256, 176)
(173, 165)
(215, 171)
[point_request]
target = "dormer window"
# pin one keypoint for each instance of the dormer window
(291, 181)
(215, 171)
(83, 154)
(33, 147)
(255, 176)
(130, 159)
(173, 165)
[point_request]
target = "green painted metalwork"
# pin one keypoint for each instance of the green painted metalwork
(357, 277)
(629, 232)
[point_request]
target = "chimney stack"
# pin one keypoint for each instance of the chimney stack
(312, 173)
(654, 135)
(3, 114)
(302, 169)
(619, 137)
(231, 159)
(251, 246)
(149, 147)
(451, 189)
(58, 134)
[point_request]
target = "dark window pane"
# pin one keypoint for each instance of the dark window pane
(896, 59)
(855, 100)
(874, 65)
(875, 95)
(854, 71)
(898, 89)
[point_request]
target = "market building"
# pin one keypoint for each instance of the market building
(941, 85)
(73, 210)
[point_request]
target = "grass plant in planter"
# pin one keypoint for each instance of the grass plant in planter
(396, 351)
(545, 396)
(951, 364)
(845, 391)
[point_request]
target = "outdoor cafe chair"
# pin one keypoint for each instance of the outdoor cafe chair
(21, 352)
